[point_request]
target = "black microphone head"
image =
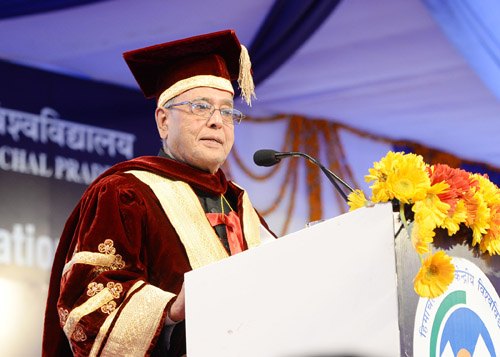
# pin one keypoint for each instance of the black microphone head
(266, 157)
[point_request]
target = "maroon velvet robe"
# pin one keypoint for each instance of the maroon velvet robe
(120, 215)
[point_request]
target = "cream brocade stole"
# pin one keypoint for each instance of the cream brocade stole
(184, 210)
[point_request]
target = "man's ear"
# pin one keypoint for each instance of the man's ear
(161, 116)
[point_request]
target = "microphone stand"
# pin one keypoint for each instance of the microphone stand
(329, 174)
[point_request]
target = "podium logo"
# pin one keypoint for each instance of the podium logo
(464, 321)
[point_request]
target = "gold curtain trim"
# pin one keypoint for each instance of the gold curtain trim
(202, 244)
(193, 82)
(107, 323)
(138, 322)
(86, 308)
(90, 258)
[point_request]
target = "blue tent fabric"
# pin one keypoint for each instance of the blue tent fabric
(14, 8)
(474, 29)
(286, 27)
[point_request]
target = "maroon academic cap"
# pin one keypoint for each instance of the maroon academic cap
(212, 60)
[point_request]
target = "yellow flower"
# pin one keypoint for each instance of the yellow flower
(491, 240)
(409, 184)
(380, 192)
(401, 176)
(384, 167)
(452, 222)
(431, 207)
(381, 170)
(488, 189)
(490, 244)
(357, 200)
(421, 236)
(435, 275)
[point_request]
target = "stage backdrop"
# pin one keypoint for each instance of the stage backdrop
(58, 133)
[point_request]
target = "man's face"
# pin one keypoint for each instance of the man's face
(196, 141)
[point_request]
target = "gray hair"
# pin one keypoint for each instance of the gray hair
(169, 102)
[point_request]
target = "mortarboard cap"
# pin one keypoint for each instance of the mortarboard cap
(212, 60)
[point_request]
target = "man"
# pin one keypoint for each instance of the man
(117, 281)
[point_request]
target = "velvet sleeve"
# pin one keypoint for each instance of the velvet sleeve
(107, 303)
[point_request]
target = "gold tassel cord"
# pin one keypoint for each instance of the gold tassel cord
(245, 79)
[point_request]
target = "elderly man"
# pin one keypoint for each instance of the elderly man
(117, 281)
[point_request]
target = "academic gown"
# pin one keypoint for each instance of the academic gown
(120, 264)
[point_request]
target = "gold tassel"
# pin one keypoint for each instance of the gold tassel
(245, 79)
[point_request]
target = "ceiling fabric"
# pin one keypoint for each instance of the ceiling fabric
(13, 8)
(385, 67)
(474, 28)
(287, 26)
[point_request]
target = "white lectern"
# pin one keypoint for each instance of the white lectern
(327, 290)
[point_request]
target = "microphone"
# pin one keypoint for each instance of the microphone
(267, 157)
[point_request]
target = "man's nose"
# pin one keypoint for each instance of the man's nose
(216, 118)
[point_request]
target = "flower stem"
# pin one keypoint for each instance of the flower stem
(403, 217)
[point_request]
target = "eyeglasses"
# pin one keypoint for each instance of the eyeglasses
(204, 109)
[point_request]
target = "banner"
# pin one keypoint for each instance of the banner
(57, 134)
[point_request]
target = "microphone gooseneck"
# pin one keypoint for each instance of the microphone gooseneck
(268, 157)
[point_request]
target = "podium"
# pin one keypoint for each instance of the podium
(327, 290)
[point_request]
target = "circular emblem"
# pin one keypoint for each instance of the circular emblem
(464, 321)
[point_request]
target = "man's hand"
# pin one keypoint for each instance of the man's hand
(177, 310)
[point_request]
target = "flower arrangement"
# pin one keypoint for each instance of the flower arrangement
(439, 197)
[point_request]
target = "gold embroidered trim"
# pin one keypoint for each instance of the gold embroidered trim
(115, 289)
(94, 288)
(102, 333)
(90, 258)
(79, 335)
(117, 264)
(104, 261)
(107, 323)
(138, 322)
(193, 82)
(107, 247)
(187, 217)
(63, 316)
(89, 306)
(109, 307)
(251, 222)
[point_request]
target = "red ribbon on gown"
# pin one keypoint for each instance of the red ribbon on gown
(233, 229)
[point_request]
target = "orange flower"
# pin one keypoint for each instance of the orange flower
(460, 183)
(435, 275)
